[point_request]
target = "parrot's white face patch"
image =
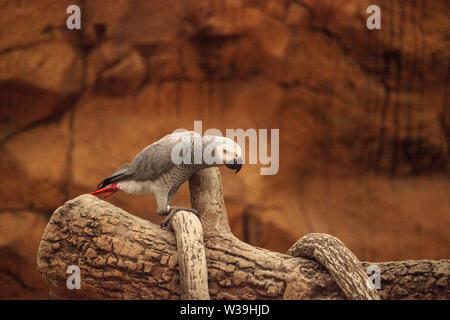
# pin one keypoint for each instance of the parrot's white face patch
(228, 152)
(210, 150)
(215, 143)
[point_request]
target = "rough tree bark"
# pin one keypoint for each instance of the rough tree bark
(340, 262)
(123, 256)
(191, 256)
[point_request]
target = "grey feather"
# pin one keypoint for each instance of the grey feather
(167, 164)
(123, 173)
(156, 159)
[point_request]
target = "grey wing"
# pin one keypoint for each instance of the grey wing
(156, 159)
(123, 173)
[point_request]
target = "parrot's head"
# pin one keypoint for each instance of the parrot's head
(230, 154)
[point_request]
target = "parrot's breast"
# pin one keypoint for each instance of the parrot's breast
(176, 176)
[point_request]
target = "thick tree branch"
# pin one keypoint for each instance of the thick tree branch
(191, 256)
(124, 257)
(340, 262)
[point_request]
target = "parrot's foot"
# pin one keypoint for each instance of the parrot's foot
(172, 211)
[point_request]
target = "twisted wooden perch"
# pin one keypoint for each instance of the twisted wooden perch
(191, 256)
(121, 256)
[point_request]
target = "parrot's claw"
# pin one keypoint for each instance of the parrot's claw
(172, 211)
(166, 221)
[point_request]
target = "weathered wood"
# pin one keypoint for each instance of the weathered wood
(191, 256)
(124, 257)
(207, 197)
(340, 262)
(414, 279)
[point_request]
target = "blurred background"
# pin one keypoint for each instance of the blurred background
(363, 116)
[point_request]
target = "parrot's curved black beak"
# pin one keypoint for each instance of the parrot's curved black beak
(235, 165)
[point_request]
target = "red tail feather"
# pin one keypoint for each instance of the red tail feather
(110, 188)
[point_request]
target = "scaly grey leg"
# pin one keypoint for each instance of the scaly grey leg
(171, 211)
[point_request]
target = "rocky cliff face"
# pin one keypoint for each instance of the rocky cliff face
(363, 115)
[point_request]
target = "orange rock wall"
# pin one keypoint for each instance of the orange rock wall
(363, 116)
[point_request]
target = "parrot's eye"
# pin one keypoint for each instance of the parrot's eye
(224, 151)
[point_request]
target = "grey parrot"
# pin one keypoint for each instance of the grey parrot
(162, 167)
